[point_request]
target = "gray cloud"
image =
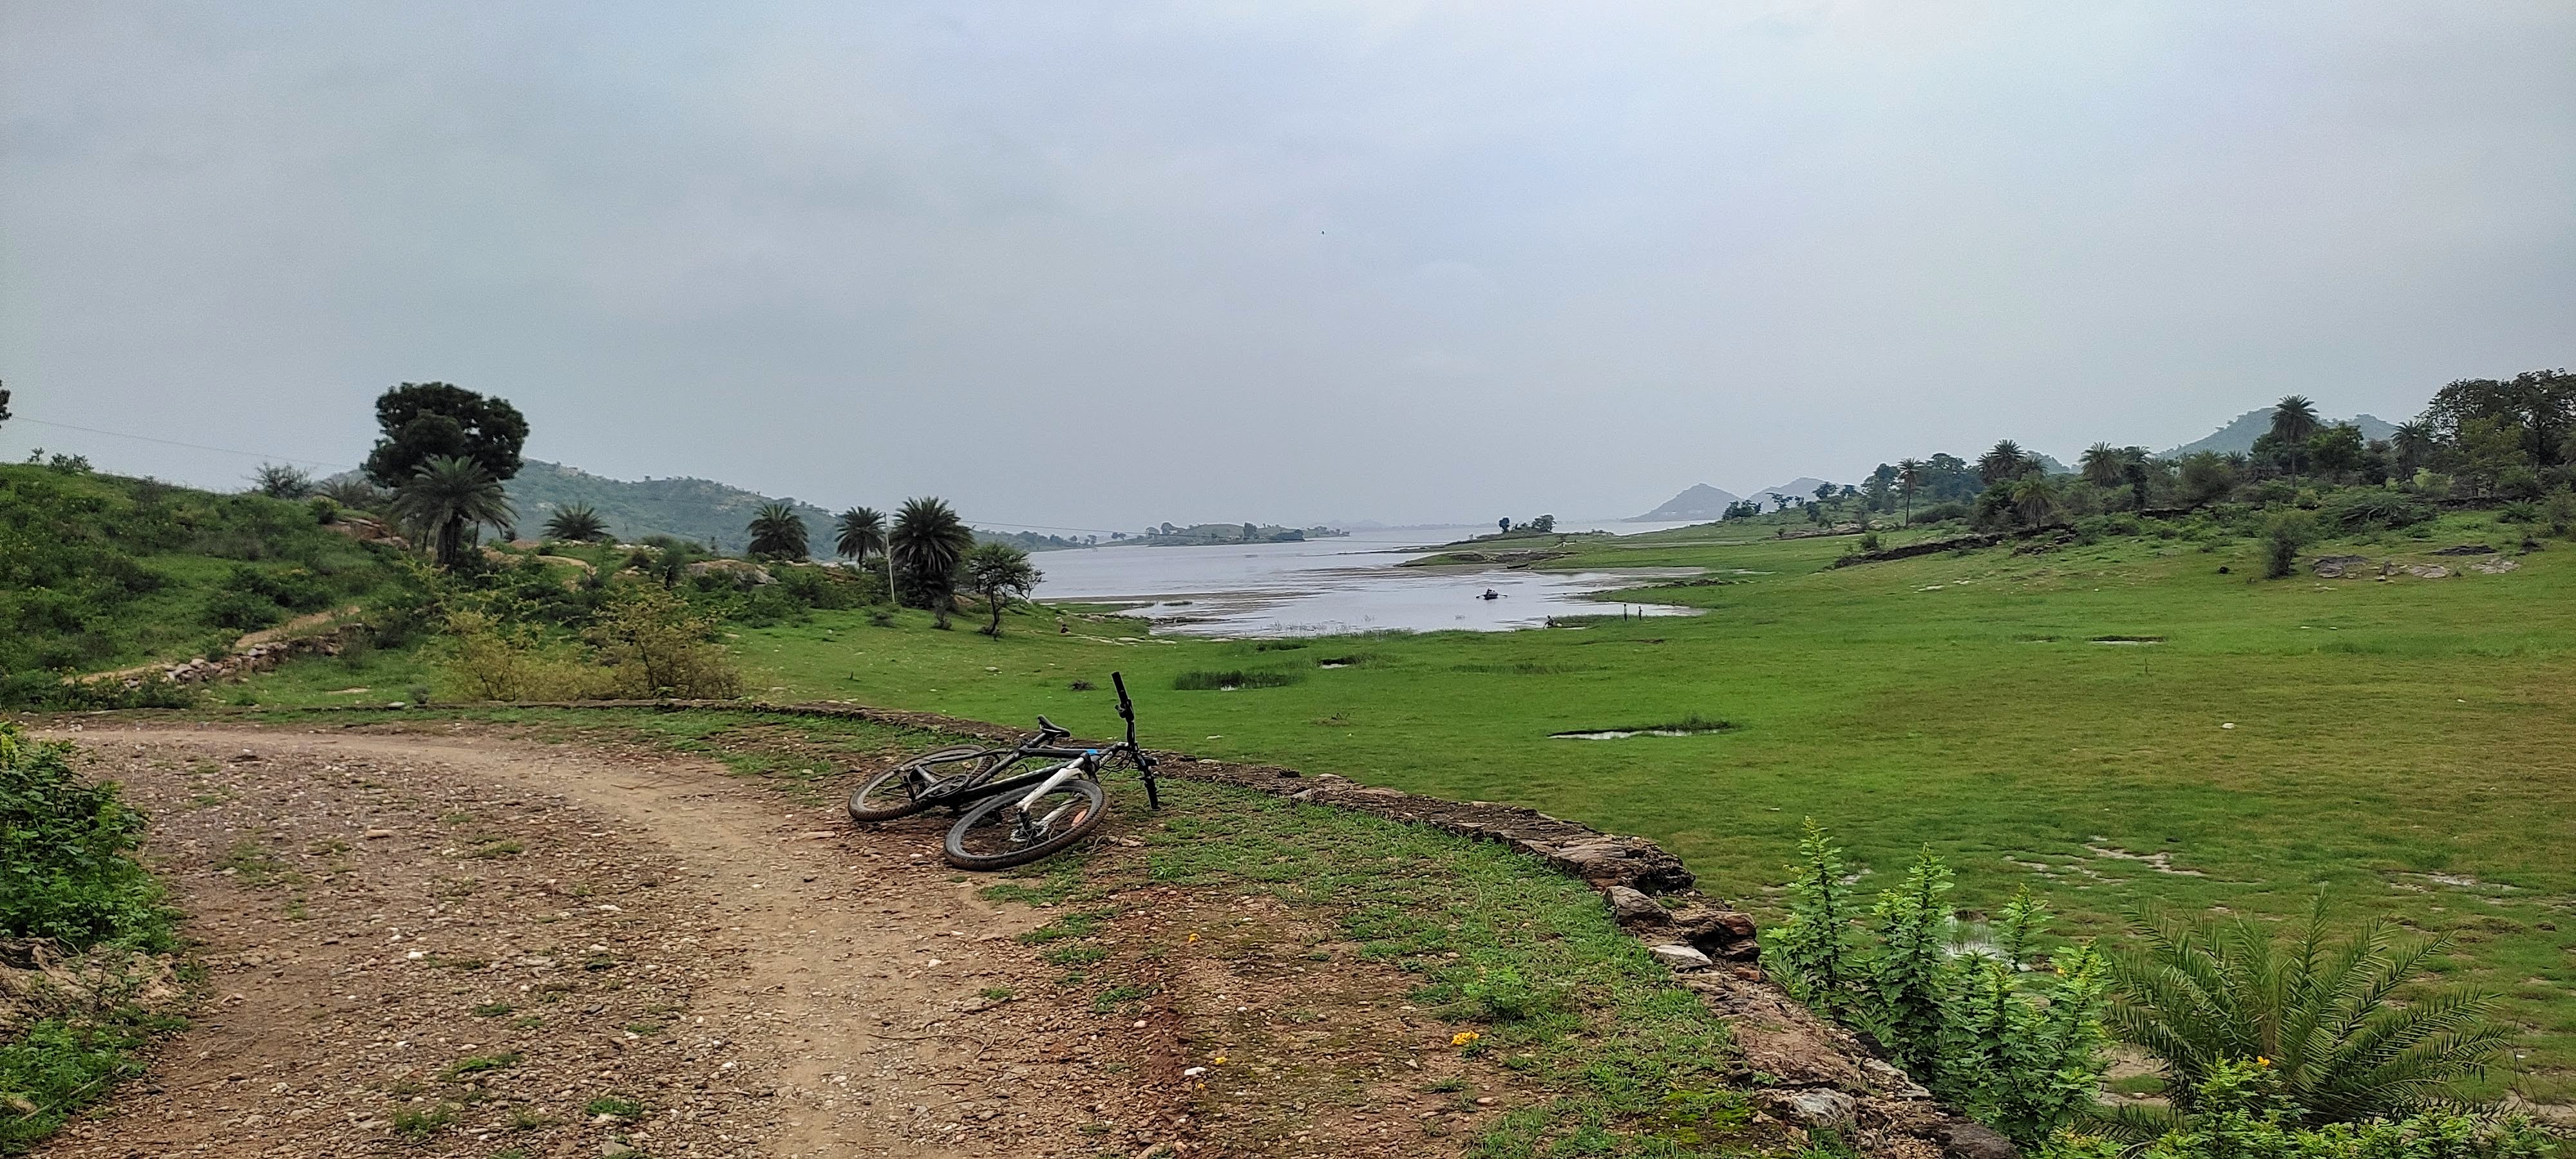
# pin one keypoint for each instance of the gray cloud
(1094, 266)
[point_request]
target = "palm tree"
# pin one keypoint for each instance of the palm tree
(777, 532)
(998, 571)
(862, 530)
(2414, 442)
(576, 524)
(2294, 418)
(927, 541)
(1909, 475)
(447, 495)
(2005, 460)
(2034, 499)
(2322, 1013)
(2102, 465)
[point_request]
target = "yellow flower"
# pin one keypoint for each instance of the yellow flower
(1194, 937)
(2259, 1060)
(1220, 1060)
(1464, 1037)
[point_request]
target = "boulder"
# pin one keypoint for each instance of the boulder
(2427, 571)
(1632, 907)
(2338, 566)
(2497, 566)
(1722, 933)
(741, 570)
(1815, 1108)
(1967, 1140)
(2466, 549)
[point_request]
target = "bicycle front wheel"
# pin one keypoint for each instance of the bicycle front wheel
(893, 793)
(997, 833)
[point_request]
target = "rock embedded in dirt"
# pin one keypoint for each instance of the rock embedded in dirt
(1680, 957)
(2338, 566)
(1631, 907)
(1815, 1108)
(1968, 1140)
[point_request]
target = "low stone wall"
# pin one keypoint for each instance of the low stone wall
(1824, 1076)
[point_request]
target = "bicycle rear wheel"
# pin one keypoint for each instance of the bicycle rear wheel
(998, 834)
(895, 792)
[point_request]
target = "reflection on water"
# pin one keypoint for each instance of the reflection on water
(1333, 586)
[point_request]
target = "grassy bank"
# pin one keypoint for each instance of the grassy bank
(2059, 720)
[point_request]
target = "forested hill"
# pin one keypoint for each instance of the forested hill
(699, 510)
(2238, 436)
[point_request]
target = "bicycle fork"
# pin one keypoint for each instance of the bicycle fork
(1033, 829)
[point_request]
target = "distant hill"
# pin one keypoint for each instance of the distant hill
(698, 510)
(2238, 436)
(1796, 489)
(1701, 501)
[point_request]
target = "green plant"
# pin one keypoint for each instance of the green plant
(1909, 978)
(1812, 952)
(2283, 535)
(2243, 1112)
(2335, 1019)
(1231, 679)
(858, 531)
(421, 1122)
(655, 645)
(67, 866)
(477, 1064)
(577, 523)
(614, 1106)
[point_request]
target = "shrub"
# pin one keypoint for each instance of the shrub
(2283, 535)
(2242, 1113)
(2023, 1058)
(2325, 1013)
(1940, 513)
(486, 658)
(2519, 511)
(655, 646)
(2361, 507)
(2561, 512)
(67, 870)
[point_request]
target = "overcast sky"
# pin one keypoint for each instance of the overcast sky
(1094, 266)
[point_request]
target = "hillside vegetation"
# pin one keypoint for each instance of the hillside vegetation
(100, 571)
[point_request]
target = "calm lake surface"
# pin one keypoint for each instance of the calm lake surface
(1334, 586)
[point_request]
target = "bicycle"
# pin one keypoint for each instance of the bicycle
(1006, 827)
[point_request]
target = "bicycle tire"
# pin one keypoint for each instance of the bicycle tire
(887, 795)
(983, 827)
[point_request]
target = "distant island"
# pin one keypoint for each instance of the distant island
(1204, 534)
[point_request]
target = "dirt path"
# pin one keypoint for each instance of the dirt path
(465, 945)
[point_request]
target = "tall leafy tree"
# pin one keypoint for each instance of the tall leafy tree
(2335, 1018)
(578, 523)
(860, 530)
(448, 495)
(421, 421)
(927, 542)
(2034, 499)
(2414, 443)
(998, 571)
(280, 481)
(2538, 405)
(777, 532)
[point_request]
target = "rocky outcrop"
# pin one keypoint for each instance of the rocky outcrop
(2338, 566)
(366, 530)
(741, 571)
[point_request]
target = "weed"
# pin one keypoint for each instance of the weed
(477, 1064)
(417, 1122)
(614, 1106)
(1230, 680)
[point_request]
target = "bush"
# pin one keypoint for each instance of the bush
(655, 646)
(2022, 1057)
(2242, 1115)
(67, 870)
(49, 691)
(1940, 513)
(485, 658)
(2283, 535)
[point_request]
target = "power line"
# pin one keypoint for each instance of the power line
(190, 446)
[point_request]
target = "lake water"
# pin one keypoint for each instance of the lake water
(1335, 586)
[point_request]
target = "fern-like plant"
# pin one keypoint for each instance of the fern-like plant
(2323, 1013)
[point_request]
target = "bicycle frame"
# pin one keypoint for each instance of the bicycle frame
(1077, 762)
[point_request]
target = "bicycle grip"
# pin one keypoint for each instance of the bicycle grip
(1126, 707)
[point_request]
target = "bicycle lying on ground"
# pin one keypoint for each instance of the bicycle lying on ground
(1005, 826)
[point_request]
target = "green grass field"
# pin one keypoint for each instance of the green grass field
(2408, 746)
